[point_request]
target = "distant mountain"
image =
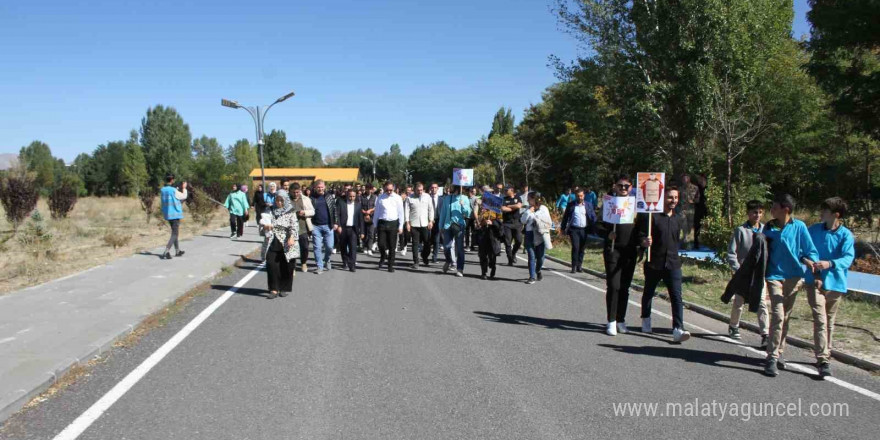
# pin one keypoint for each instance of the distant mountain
(7, 159)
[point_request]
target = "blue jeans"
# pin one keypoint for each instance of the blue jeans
(323, 238)
(536, 254)
(448, 237)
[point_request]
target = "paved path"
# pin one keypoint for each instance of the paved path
(373, 355)
(47, 328)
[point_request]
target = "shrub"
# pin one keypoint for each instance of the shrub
(716, 230)
(201, 206)
(36, 238)
(147, 197)
(18, 194)
(116, 239)
(62, 199)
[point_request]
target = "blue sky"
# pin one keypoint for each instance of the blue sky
(76, 74)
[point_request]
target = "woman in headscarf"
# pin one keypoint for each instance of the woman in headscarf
(281, 248)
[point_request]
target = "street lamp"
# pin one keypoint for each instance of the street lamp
(372, 161)
(258, 116)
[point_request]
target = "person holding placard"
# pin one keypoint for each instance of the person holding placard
(579, 216)
(490, 236)
(664, 263)
(620, 254)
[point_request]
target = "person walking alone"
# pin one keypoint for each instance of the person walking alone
(579, 216)
(281, 248)
(172, 210)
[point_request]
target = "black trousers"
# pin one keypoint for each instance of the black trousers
(699, 215)
(578, 246)
(279, 271)
(470, 234)
(512, 236)
(303, 246)
(403, 239)
(236, 224)
(436, 238)
(619, 269)
(388, 241)
(487, 255)
(421, 241)
(348, 245)
(369, 236)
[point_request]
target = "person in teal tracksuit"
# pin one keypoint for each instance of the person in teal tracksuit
(237, 205)
(826, 280)
(172, 210)
(790, 249)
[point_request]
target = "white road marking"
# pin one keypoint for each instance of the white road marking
(788, 366)
(85, 420)
(5, 340)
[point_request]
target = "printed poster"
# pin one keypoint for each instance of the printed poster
(463, 176)
(618, 210)
(650, 192)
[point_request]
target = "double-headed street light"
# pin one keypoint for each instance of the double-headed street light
(258, 116)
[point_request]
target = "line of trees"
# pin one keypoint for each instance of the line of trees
(695, 86)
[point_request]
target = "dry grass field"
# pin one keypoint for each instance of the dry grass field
(98, 230)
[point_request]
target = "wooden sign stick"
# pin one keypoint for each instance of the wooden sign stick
(650, 223)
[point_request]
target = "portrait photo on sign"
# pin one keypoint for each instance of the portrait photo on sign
(650, 188)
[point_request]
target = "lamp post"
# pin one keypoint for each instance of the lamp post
(372, 161)
(258, 116)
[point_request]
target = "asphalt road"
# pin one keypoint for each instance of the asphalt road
(373, 355)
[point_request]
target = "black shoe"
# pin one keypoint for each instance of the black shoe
(530, 281)
(425, 263)
(733, 332)
(824, 369)
(573, 270)
(272, 295)
(283, 294)
(351, 269)
(446, 267)
(179, 253)
(414, 266)
(166, 256)
(780, 363)
(764, 341)
(580, 269)
(391, 270)
(484, 277)
(510, 262)
(770, 368)
(540, 276)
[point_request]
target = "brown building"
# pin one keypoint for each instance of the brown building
(306, 176)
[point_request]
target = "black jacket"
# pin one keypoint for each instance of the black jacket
(491, 236)
(342, 213)
(627, 241)
(748, 280)
(666, 232)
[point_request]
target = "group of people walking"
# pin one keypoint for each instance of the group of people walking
(771, 261)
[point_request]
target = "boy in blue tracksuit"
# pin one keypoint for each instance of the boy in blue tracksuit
(790, 248)
(826, 280)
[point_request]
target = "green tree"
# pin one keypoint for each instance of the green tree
(242, 159)
(37, 158)
(134, 166)
(502, 123)
(209, 161)
(504, 149)
(392, 165)
(166, 142)
(277, 152)
(432, 162)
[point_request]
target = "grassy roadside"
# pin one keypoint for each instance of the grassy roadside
(97, 231)
(857, 328)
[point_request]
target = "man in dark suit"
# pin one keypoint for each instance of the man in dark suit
(351, 227)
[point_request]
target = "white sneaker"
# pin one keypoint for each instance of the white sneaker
(611, 328)
(646, 325)
(370, 253)
(679, 335)
(375, 247)
(621, 328)
(334, 251)
(403, 252)
(459, 274)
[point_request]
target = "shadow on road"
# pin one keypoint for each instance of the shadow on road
(250, 291)
(711, 358)
(555, 324)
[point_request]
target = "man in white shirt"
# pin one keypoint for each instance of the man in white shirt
(435, 231)
(419, 222)
(405, 237)
(388, 220)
